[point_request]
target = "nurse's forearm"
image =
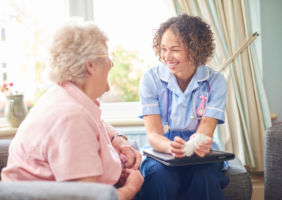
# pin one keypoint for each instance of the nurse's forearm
(154, 130)
(159, 142)
(207, 126)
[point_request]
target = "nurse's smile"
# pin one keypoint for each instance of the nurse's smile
(172, 65)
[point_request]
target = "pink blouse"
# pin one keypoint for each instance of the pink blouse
(62, 139)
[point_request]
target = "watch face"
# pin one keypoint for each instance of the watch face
(201, 111)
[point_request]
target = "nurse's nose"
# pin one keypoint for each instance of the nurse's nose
(168, 56)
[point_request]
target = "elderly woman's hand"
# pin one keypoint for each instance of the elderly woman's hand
(132, 181)
(203, 148)
(122, 146)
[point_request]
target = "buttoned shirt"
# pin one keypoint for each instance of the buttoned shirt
(62, 139)
(159, 81)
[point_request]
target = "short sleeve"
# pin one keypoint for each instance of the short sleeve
(148, 91)
(73, 148)
(217, 99)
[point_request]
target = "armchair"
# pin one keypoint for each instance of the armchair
(273, 163)
(240, 187)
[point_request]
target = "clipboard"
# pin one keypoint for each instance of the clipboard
(168, 160)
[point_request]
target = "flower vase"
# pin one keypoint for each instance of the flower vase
(15, 110)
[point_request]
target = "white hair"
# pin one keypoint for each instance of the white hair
(73, 44)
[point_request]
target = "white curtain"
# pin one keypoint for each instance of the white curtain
(82, 8)
(247, 113)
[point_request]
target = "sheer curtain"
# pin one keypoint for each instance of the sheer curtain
(82, 8)
(247, 112)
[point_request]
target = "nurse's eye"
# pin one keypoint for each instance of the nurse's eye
(175, 50)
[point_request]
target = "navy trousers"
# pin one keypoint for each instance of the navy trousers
(196, 182)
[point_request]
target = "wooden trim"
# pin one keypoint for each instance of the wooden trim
(7, 132)
(125, 122)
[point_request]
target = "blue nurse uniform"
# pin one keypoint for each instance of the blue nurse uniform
(204, 181)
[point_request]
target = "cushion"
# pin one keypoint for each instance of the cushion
(240, 186)
(134, 144)
(273, 162)
(4, 150)
(56, 191)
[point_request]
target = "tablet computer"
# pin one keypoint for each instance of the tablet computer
(169, 160)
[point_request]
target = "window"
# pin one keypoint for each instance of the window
(26, 27)
(4, 77)
(3, 34)
(129, 25)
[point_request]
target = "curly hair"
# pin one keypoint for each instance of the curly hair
(193, 33)
(73, 44)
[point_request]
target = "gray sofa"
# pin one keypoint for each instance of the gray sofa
(240, 187)
(273, 163)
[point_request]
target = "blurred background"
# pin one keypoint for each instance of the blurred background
(27, 25)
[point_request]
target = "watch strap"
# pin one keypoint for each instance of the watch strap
(119, 134)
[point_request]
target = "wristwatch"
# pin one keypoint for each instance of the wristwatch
(119, 134)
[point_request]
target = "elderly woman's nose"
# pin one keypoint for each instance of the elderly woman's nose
(108, 88)
(112, 63)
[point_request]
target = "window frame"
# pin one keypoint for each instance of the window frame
(119, 114)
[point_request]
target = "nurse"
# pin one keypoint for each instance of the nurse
(179, 99)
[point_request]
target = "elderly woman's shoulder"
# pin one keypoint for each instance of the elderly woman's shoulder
(58, 102)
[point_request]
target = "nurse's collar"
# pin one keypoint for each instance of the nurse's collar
(164, 72)
(202, 73)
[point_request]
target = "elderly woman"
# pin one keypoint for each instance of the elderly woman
(181, 98)
(63, 137)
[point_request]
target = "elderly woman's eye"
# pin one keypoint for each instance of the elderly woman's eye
(163, 49)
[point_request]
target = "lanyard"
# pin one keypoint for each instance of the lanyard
(193, 117)
(167, 94)
(166, 127)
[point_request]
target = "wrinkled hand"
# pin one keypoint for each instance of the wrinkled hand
(134, 179)
(123, 177)
(122, 146)
(203, 148)
(177, 147)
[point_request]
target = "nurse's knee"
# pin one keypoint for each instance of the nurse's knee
(154, 168)
(148, 166)
(205, 168)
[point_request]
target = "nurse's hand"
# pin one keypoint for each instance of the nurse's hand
(177, 147)
(203, 148)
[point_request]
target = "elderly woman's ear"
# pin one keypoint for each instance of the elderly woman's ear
(90, 67)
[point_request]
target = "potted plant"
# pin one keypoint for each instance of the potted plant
(15, 110)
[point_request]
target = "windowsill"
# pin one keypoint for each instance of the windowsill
(125, 122)
(121, 114)
(7, 132)
(124, 114)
